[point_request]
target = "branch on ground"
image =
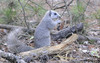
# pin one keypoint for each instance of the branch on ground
(11, 57)
(50, 49)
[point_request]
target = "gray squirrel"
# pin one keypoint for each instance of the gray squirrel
(42, 32)
(41, 35)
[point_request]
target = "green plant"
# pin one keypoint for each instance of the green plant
(91, 41)
(96, 15)
(1, 20)
(37, 8)
(78, 12)
(8, 13)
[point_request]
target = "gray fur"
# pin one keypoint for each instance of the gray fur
(42, 32)
(13, 43)
(41, 35)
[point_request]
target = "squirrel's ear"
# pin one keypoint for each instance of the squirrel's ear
(50, 13)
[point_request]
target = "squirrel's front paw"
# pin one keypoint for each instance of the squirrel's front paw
(58, 21)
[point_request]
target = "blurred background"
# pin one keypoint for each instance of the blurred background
(30, 12)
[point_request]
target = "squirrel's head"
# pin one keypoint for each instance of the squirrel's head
(53, 14)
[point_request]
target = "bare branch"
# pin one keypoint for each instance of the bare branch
(61, 34)
(64, 5)
(36, 4)
(48, 4)
(66, 8)
(57, 4)
(24, 14)
(10, 27)
(83, 11)
(24, 7)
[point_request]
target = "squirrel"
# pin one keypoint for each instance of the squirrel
(42, 31)
(14, 44)
(41, 35)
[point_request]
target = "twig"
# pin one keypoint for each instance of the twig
(11, 27)
(57, 4)
(65, 8)
(24, 7)
(37, 4)
(64, 5)
(95, 30)
(87, 5)
(48, 4)
(83, 11)
(24, 14)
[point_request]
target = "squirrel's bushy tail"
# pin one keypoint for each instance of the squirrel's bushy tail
(14, 44)
(13, 36)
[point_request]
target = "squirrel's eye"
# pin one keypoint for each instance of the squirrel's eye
(55, 13)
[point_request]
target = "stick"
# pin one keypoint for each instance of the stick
(50, 49)
(61, 34)
(24, 14)
(11, 57)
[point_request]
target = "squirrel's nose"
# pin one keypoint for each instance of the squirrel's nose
(59, 17)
